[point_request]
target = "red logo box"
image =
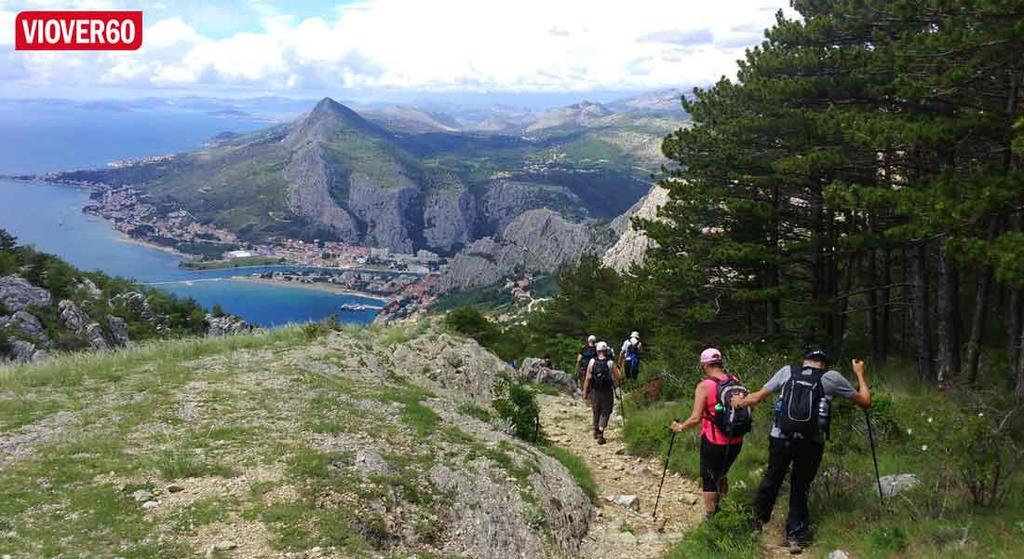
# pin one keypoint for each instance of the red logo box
(78, 30)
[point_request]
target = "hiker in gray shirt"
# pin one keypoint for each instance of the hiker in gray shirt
(798, 434)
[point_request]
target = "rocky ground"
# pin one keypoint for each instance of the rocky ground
(623, 527)
(290, 443)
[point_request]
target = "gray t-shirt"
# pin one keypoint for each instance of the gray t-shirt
(832, 382)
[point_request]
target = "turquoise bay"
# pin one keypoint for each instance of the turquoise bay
(50, 217)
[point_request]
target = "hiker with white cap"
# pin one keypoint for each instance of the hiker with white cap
(722, 426)
(586, 353)
(599, 388)
(631, 350)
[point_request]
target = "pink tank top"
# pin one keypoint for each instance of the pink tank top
(708, 429)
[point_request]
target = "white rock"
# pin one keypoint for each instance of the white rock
(895, 484)
(141, 496)
(149, 505)
(631, 502)
(838, 554)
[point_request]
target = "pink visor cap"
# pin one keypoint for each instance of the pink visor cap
(710, 355)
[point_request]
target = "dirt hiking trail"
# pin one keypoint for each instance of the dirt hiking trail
(618, 531)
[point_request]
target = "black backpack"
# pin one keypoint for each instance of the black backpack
(803, 406)
(733, 422)
(601, 374)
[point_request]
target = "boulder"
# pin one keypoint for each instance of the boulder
(90, 289)
(22, 351)
(533, 370)
(17, 293)
(894, 484)
(119, 330)
(27, 323)
(225, 325)
(94, 332)
(136, 302)
(631, 502)
(141, 496)
(72, 317)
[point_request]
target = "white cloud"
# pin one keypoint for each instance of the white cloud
(527, 45)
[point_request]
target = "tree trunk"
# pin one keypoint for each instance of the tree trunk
(1013, 329)
(1020, 374)
(872, 299)
(921, 323)
(948, 333)
(979, 315)
(884, 295)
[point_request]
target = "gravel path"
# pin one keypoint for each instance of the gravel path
(618, 531)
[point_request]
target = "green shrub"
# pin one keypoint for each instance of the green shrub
(516, 404)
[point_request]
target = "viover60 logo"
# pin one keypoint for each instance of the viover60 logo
(78, 31)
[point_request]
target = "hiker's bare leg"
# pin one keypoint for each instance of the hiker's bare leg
(710, 503)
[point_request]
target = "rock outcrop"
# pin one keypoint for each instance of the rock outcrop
(533, 370)
(449, 215)
(119, 331)
(16, 294)
(225, 325)
(506, 200)
(72, 317)
(536, 241)
(632, 246)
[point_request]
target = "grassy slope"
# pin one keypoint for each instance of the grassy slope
(927, 522)
(244, 423)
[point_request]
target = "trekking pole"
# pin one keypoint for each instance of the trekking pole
(874, 457)
(672, 441)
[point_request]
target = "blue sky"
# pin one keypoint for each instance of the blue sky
(356, 48)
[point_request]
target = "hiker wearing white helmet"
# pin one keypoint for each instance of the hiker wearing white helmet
(632, 349)
(599, 388)
(586, 353)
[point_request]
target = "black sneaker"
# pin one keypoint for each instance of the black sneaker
(600, 438)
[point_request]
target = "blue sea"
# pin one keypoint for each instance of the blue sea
(49, 216)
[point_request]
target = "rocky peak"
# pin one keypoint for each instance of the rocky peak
(326, 121)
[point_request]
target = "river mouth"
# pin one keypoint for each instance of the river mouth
(49, 217)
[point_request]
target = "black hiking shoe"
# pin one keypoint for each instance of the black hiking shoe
(600, 438)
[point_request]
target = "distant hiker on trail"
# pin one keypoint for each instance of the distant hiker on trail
(798, 434)
(721, 429)
(587, 352)
(599, 388)
(630, 355)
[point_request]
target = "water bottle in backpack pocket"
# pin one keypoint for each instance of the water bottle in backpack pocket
(733, 422)
(803, 407)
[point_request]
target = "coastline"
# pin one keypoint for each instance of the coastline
(320, 286)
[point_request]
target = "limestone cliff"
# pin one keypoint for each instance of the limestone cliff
(538, 241)
(632, 245)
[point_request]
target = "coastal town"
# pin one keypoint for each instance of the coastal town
(405, 283)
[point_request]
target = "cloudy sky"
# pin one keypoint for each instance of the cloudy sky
(302, 47)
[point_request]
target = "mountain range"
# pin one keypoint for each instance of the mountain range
(407, 178)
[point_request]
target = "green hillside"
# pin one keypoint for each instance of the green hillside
(301, 440)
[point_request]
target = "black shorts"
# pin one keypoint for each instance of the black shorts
(715, 461)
